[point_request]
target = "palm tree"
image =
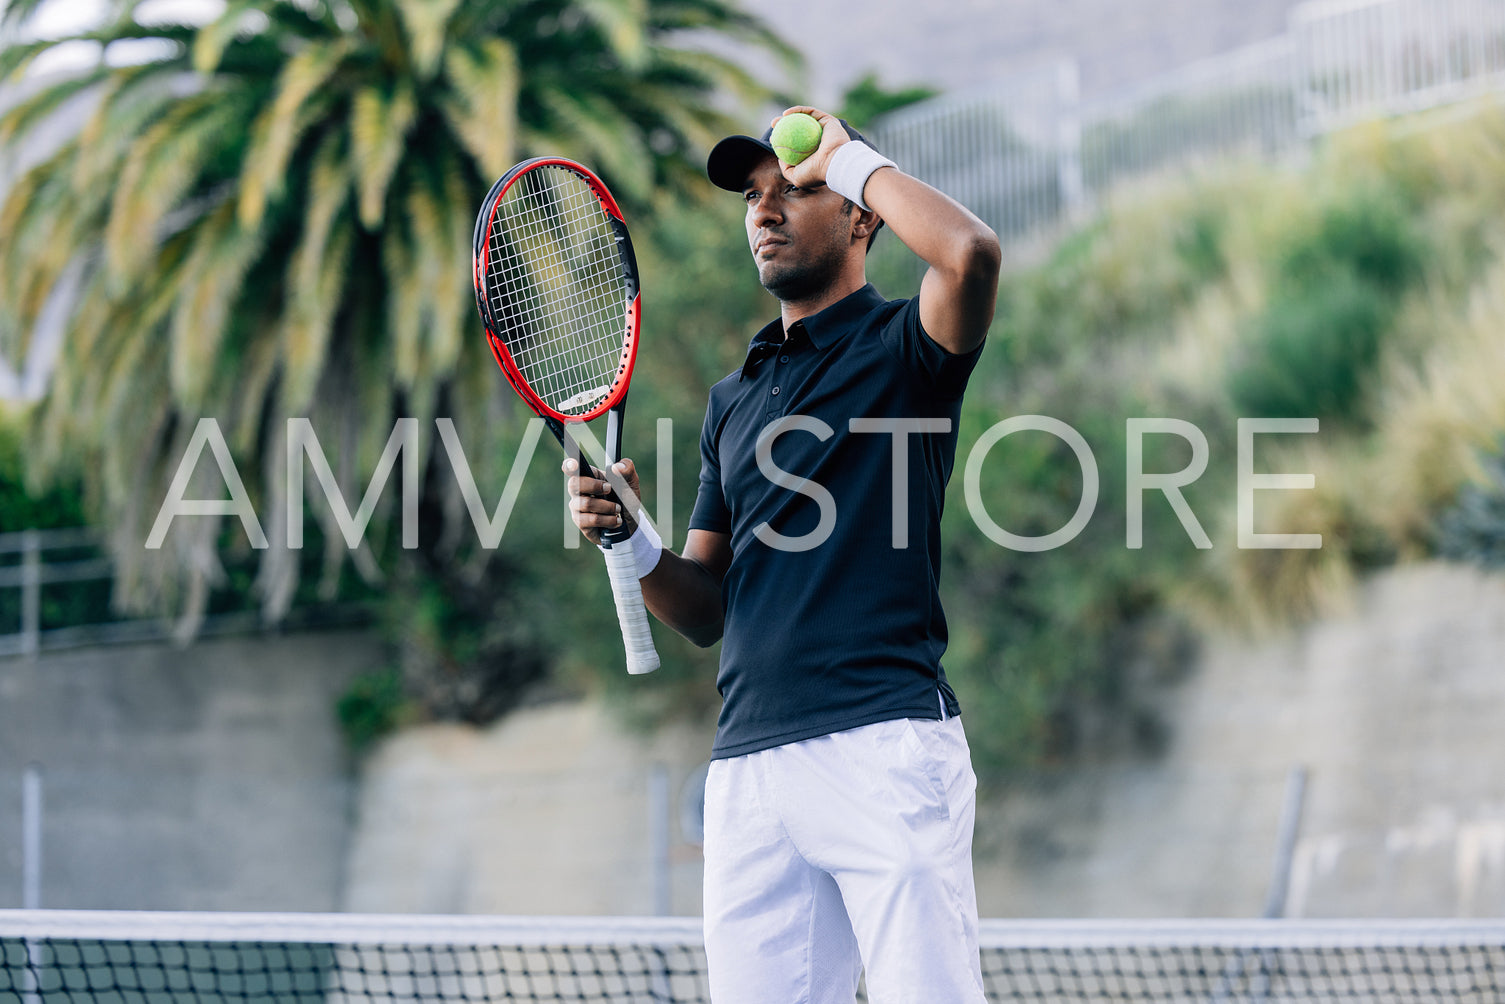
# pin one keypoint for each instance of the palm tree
(269, 215)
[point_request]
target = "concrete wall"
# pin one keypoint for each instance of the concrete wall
(546, 812)
(1395, 709)
(207, 778)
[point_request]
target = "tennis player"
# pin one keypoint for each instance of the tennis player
(840, 801)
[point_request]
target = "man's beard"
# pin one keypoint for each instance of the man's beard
(794, 282)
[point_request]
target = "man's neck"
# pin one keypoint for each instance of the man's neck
(793, 311)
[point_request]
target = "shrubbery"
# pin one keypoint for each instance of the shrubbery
(1354, 290)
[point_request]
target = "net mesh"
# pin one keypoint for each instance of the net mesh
(555, 289)
(48, 956)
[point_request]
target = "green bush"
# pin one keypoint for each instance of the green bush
(373, 706)
(1312, 352)
(1370, 236)
(1473, 530)
(25, 506)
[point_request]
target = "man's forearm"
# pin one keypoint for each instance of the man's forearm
(685, 595)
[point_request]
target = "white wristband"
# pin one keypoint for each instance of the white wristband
(849, 169)
(646, 546)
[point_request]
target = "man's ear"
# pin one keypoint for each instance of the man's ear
(864, 224)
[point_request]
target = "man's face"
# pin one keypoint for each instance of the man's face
(800, 237)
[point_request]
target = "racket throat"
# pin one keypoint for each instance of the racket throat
(611, 447)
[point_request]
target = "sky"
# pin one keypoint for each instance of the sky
(64, 17)
(948, 44)
(963, 44)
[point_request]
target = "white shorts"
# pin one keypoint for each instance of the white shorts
(842, 850)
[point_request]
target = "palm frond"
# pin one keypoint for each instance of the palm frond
(442, 267)
(38, 108)
(482, 109)
(596, 132)
(426, 23)
(210, 42)
(46, 225)
(622, 23)
(19, 221)
(404, 291)
(129, 100)
(223, 251)
(315, 275)
(379, 125)
(710, 71)
(16, 59)
(272, 216)
(687, 17)
(16, 13)
(163, 167)
(276, 132)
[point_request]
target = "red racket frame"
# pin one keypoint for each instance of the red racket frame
(632, 310)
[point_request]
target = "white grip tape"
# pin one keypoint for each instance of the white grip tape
(622, 569)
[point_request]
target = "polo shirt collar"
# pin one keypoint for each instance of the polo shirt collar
(824, 329)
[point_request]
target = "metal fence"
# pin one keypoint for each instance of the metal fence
(1359, 58)
(1241, 102)
(1026, 153)
(1009, 151)
(57, 592)
(32, 562)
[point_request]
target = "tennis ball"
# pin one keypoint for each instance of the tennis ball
(795, 137)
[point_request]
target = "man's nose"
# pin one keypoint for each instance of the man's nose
(770, 209)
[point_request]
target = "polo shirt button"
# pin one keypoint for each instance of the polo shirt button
(775, 392)
(783, 359)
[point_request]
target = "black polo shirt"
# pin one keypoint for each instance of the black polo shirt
(832, 604)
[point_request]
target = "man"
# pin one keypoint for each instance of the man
(839, 804)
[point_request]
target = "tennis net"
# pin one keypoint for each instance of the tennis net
(146, 958)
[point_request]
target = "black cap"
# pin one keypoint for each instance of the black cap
(732, 160)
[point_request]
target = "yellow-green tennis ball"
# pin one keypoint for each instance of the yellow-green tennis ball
(795, 137)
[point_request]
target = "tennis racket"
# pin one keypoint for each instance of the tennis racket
(557, 288)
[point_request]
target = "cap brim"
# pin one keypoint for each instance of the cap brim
(732, 160)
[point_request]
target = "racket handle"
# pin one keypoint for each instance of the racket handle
(622, 569)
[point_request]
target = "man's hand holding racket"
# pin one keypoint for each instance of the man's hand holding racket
(593, 501)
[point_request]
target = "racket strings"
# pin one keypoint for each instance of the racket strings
(567, 325)
(553, 270)
(554, 284)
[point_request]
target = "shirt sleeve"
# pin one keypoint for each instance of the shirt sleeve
(944, 373)
(711, 511)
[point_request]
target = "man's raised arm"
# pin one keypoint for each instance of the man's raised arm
(960, 289)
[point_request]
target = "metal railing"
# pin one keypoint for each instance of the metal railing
(1007, 151)
(1241, 102)
(1359, 58)
(23, 569)
(56, 589)
(1026, 153)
